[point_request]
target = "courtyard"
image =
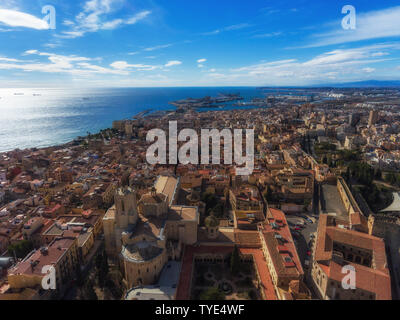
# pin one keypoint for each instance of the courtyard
(211, 279)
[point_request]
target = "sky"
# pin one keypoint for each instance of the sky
(163, 43)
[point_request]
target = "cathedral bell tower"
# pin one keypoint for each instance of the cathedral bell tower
(126, 207)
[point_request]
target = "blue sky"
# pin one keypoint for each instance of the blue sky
(196, 43)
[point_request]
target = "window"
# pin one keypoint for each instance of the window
(350, 257)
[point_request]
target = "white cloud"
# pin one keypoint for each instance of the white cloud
(72, 34)
(123, 65)
(218, 75)
(336, 65)
(15, 18)
(73, 65)
(68, 23)
(237, 26)
(173, 63)
(368, 70)
(53, 45)
(201, 60)
(370, 25)
(111, 25)
(163, 46)
(137, 17)
(94, 18)
(46, 62)
(9, 59)
(31, 52)
(228, 28)
(268, 35)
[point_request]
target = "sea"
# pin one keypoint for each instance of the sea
(46, 117)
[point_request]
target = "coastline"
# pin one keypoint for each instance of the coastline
(58, 116)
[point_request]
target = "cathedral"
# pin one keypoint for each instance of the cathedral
(144, 235)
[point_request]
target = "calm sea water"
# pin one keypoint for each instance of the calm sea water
(45, 117)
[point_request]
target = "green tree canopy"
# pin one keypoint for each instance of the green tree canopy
(212, 294)
(21, 248)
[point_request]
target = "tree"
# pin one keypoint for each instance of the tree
(105, 265)
(235, 261)
(114, 290)
(212, 294)
(210, 200)
(21, 248)
(270, 196)
(378, 174)
(99, 261)
(88, 292)
(102, 268)
(79, 276)
(391, 178)
(218, 210)
(347, 175)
